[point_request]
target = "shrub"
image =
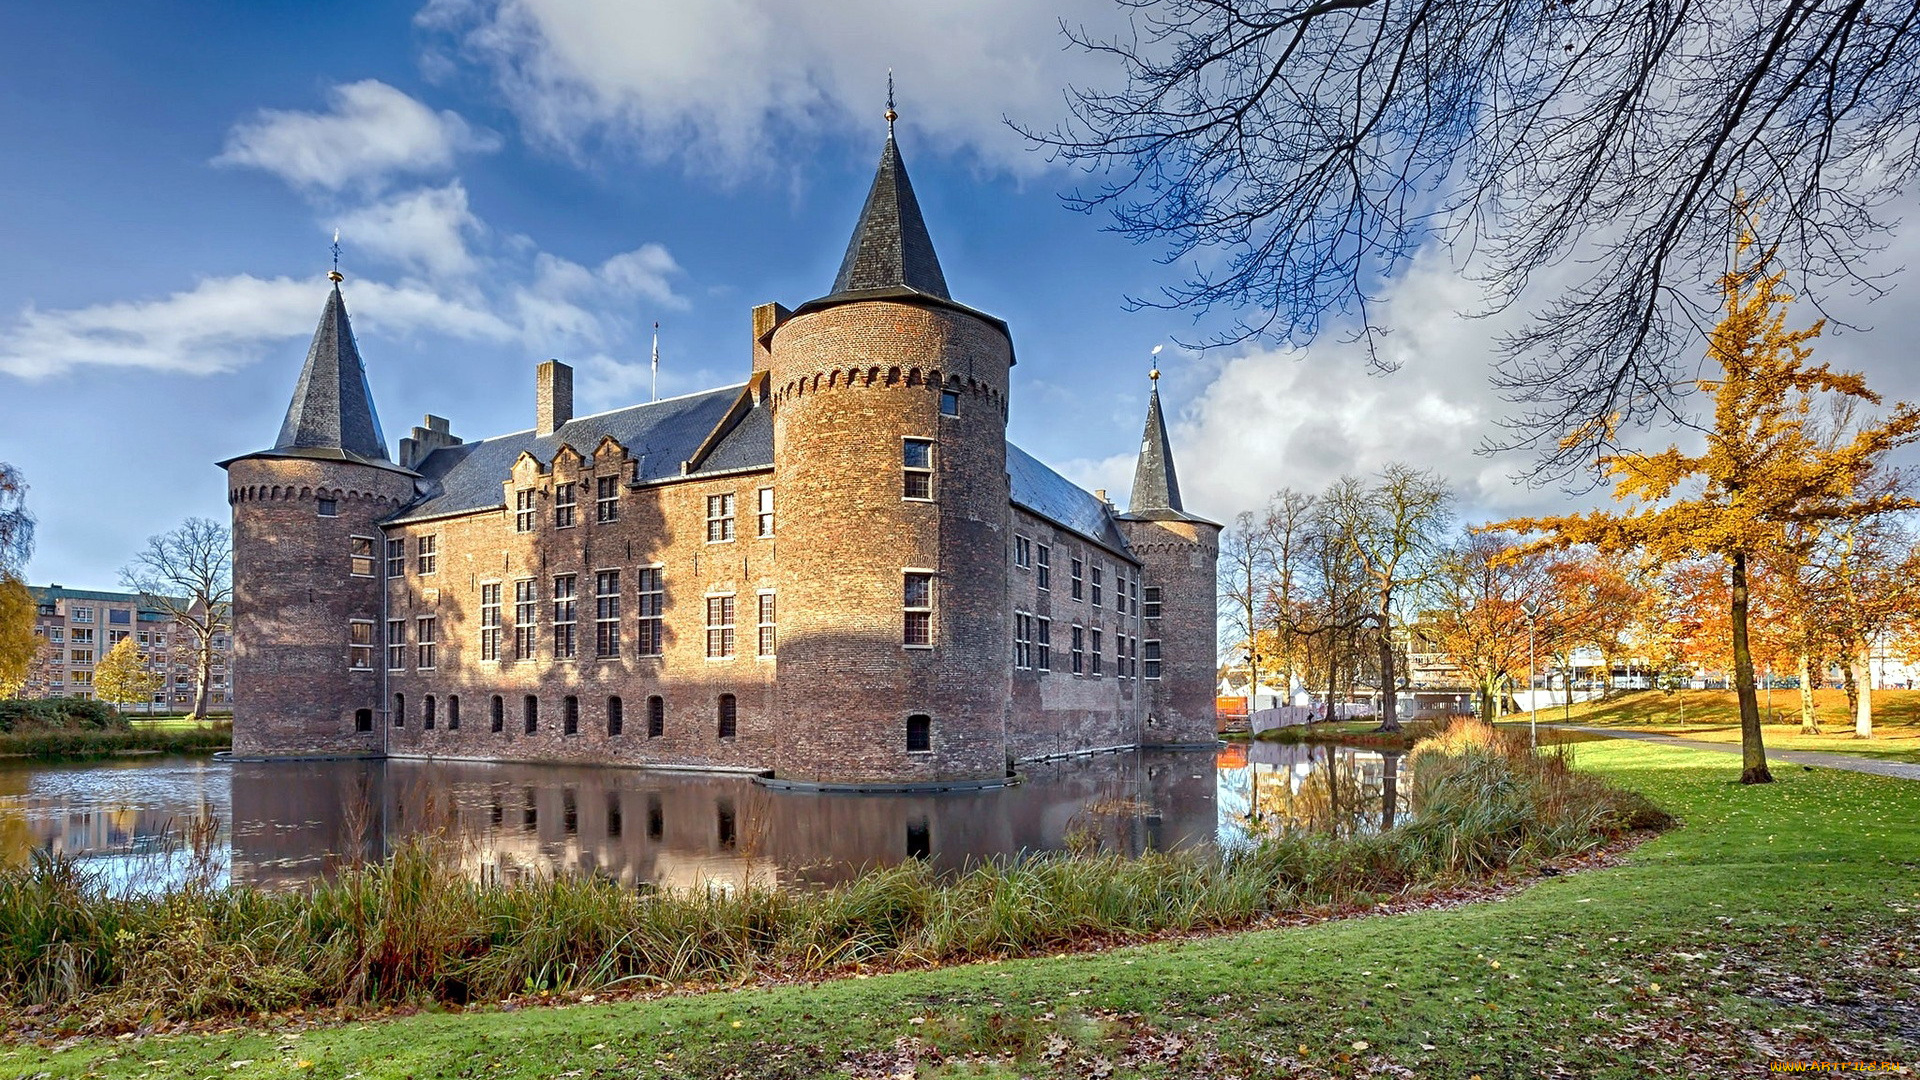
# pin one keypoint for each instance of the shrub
(59, 714)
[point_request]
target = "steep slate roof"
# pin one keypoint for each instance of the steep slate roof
(1061, 501)
(332, 408)
(890, 248)
(1156, 487)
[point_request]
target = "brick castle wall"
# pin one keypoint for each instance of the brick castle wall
(1181, 557)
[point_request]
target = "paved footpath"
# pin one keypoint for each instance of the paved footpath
(1798, 757)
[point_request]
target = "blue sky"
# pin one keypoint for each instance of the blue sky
(519, 179)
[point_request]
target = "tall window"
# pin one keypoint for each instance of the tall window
(429, 554)
(565, 644)
(498, 711)
(426, 634)
(523, 510)
(650, 585)
(765, 512)
(1022, 640)
(397, 557)
(719, 518)
(917, 468)
(1133, 657)
(429, 709)
(570, 715)
(399, 710)
(1096, 586)
(1079, 573)
(530, 710)
(918, 602)
(1133, 596)
(1152, 602)
(729, 716)
(606, 613)
(1120, 656)
(1043, 644)
(359, 564)
(606, 499)
(453, 712)
(656, 716)
(616, 716)
(719, 626)
(565, 498)
(490, 621)
(1079, 650)
(396, 644)
(1093, 650)
(766, 636)
(1152, 658)
(919, 733)
(1043, 569)
(360, 644)
(525, 622)
(1022, 552)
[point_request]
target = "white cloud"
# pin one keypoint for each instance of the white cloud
(426, 230)
(732, 84)
(371, 132)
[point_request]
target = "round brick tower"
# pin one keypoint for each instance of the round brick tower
(308, 555)
(889, 409)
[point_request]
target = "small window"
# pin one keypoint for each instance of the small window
(1151, 603)
(656, 716)
(1152, 658)
(919, 733)
(1093, 652)
(330, 508)
(570, 715)
(1095, 601)
(498, 709)
(1043, 568)
(453, 712)
(429, 554)
(917, 469)
(399, 710)
(396, 644)
(564, 501)
(1022, 640)
(429, 709)
(918, 604)
(426, 640)
(949, 403)
(1022, 552)
(719, 518)
(363, 719)
(606, 499)
(720, 627)
(397, 557)
(1043, 644)
(360, 564)
(530, 709)
(765, 512)
(616, 716)
(523, 510)
(766, 627)
(359, 645)
(729, 716)
(1079, 650)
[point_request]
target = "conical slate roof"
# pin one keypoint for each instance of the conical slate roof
(332, 407)
(890, 248)
(1156, 487)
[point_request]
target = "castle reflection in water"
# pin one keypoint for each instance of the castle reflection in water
(286, 823)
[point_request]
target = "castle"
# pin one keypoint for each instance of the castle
(837, 575)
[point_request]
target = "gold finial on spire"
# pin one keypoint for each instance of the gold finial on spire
(890, 114)
(334, 275)
(1154, 374)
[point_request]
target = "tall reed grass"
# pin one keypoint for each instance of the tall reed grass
(416, 929)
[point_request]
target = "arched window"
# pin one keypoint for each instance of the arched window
(363, 719)
(499, 714)
(453, 712)
(729, 716)
(570, 715)
(616, 716)
(919, 733)
(427, 709)
(656, 716)
(399, 710)
(531, 710)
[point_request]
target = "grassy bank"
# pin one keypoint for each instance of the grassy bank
(1777, 925)
(159, 739)
(1714, 716)
(1361, 733)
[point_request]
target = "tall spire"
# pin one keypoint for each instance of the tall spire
(890, 248)
(332, 407)
(1156, 487)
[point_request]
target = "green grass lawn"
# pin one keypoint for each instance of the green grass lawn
(176, 723)
(1776, 924)
(1714, 716)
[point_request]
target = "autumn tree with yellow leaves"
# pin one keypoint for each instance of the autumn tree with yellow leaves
(1763, 469)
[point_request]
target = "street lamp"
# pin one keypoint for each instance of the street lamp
(1531, 608)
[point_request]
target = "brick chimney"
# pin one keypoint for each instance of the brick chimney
(552, 397)
(766, 319)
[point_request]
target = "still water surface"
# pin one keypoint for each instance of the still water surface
(283, 824)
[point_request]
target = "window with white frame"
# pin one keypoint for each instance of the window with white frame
(606, 613)
(1022, 551)
(1093, 652)
(1152, 658)
(720, 627)
(1133, 597)
(85, 614)
(359, 564)
(1119, 656)
(396, 644)
(426, 640)
(1022, 640)
(606, 499)
(765, 512)
(651, 589)
(916, 462)
(490, 621)
(767, 636)
(524, 509)
(917, 600)
(397, 557)
(566, 642)
(329, 507)
(525, 619)
(949, 403)
(429, 550)
(1043, 644)
(1079, 650)
(1151, 602)
(1133, 657)
(1043, 568)
(1095, 600)
(720, 518)
(565, 498)
(1078, 573)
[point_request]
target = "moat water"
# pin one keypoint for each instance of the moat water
(143, 822)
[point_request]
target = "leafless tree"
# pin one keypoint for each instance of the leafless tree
(16, 524)
(1298, 153)
(188, 573)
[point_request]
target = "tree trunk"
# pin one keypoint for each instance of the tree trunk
(202, 676)
(1389, 702)
(1860, 670)
(1333, 669)
(1809, 720)
(1753, 753)
(1852, 688)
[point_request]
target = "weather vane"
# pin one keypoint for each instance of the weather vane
(1155, 373)
(335, 275)
(891, 115)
